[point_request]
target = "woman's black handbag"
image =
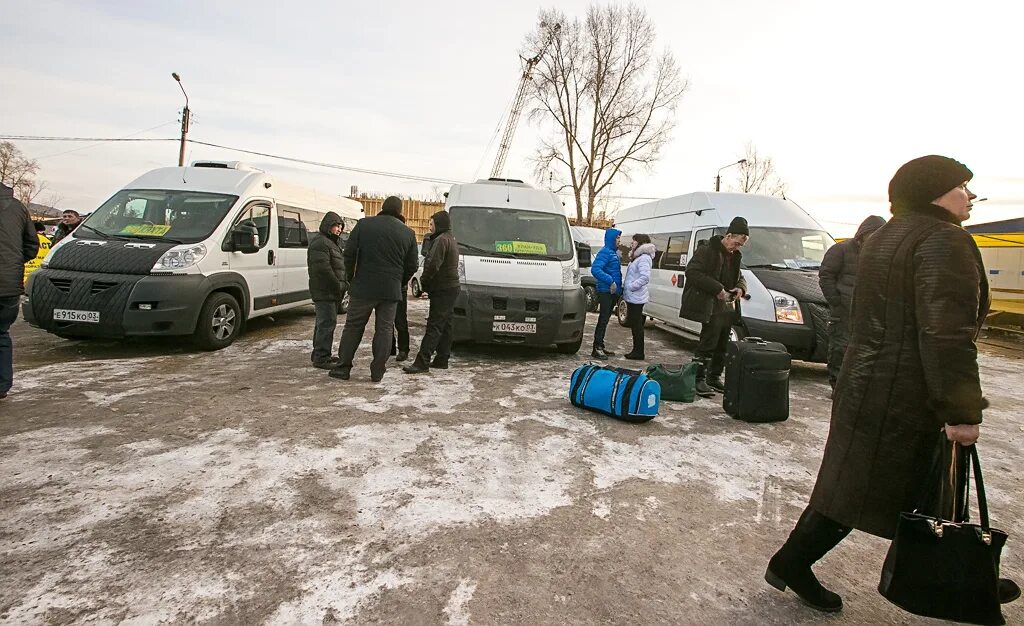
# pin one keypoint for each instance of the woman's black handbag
(947, 569)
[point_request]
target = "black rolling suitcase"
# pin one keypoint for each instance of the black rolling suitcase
(757, 380)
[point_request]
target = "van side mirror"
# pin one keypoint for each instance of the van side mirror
(583, 253)
(245, 238)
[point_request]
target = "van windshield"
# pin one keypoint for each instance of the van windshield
(485, 231)
(793, 248)
(183, 216)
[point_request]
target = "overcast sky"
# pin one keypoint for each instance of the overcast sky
(838, 94)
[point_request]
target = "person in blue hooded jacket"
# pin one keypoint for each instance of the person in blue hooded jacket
(607, 271)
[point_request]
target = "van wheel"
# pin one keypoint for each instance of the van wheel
(220, 322)
(737, 333)
(592, 303)
(343, 305)
(621, 312)
(570, 348)
(417, 290)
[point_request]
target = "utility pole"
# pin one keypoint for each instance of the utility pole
(184, 121)
(718, 177)
(519, 100)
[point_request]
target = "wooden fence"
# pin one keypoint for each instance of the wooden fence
(417, 212)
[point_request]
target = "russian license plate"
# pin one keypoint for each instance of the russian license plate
(515, 327)
(71, 315)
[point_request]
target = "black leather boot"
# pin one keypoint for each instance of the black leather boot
(812, 538)
(715, 382)
(702, 388)
(1008, 591)
(419, 366)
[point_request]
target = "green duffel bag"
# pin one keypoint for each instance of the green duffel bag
(676, 385)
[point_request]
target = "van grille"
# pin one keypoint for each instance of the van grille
(99, 286)
(62, 284)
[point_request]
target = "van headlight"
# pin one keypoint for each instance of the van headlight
(571, 275)
(180, 257)
(787, 309)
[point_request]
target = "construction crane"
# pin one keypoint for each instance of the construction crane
(520, 99)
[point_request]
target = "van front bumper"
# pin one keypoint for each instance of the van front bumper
(120, 299)
(558, 313)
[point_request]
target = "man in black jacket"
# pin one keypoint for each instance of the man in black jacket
(837, 278)
(70, 221)
(327, 284)
(441, 281)
(380, 257)
(713, 283)
(18, 245)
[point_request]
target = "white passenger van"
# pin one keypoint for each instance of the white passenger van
(184, 251)
(593, 238)
(519, 267)
(780, 264)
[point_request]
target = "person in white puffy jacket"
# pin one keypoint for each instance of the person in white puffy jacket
(635, 292)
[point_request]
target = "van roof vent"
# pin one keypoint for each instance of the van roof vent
(227, 165)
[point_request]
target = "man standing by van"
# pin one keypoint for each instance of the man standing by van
(327, 284)
(71, 221)
(713, 283)
(18, 245)
(441, 281)
(607, 271)
(380, 257)
(837, 278)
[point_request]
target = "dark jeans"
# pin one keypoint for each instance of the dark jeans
(635, 321)
(838, 339)
(401, 340)
(714, 337)
(8, 314)
(323, 329)
(607, 303)
(355, 323)
(438, 336)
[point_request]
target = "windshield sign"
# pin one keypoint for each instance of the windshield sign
(505, 232)
(793, 248)
(185, 216)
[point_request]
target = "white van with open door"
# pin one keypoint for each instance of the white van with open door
(780, 264)
(518, 266)
(184, 251)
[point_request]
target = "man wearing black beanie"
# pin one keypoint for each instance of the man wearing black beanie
(441, 281)
(713, 283)
(380, 258)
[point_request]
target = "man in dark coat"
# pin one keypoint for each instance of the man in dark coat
(910, 371)
(400, 343)
(71, 220)
(327, 284)
(18, 245)
(837, 278)
(440, 280)
(713, 283)
(380, 257)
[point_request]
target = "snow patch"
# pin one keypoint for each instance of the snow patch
(456, 607)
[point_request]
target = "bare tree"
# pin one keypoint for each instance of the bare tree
(758, 175)
(604, 102)
(19, 172)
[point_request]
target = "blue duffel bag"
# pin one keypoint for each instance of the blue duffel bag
(627, 395)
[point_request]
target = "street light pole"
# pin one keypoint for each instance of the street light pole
(184, 121)
(718, 177)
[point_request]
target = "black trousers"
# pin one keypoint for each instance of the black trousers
(635, 320)
(714, 338)
(323, 329)
(607, 303)
(438, 335)
(401, 341)
(359, 311)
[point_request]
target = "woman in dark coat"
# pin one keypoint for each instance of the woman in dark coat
(910, 372)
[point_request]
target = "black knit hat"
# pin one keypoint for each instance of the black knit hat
(738, 226)
(392, 206)
(925, 179)
(442, 221)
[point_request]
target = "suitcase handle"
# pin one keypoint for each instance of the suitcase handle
(754, 340)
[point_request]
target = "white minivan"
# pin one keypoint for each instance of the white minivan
(780, 264)
(518, 266)
(184, 251)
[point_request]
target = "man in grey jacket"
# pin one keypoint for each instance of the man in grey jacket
(380, 257)
(18, 245)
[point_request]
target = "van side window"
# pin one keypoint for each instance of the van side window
(624, 242)
(291, 232)
(660, 244)
(259, 216)
(675, 252)
(705, 234)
